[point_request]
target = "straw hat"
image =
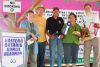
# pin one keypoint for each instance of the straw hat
(40, 6)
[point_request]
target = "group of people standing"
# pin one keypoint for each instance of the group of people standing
(62, 36)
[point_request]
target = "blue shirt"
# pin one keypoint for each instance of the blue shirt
(26, 24)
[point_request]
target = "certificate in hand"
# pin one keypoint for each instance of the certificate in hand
(29, 42)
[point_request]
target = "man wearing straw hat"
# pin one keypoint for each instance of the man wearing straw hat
(41, 24)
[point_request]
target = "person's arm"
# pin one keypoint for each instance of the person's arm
(96, 21)
(62, 35)
(99, 25)
(63, 29)
(62, 23)
(31, 8)
(48, 26)
(80, 30)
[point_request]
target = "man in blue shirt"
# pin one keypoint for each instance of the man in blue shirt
(32, 34)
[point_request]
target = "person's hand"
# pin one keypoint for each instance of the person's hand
(47, 43)
(31, 39)
(77, 33)
(52, 36)
(97, 25)
(61, 36)
(82, 38)
(34, 37)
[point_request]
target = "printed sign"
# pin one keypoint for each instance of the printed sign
(12, 49)
(11, 6)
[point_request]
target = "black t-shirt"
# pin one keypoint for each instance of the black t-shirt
(54, 26)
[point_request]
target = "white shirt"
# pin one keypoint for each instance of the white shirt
(89, 21)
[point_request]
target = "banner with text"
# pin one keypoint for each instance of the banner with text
(12, 49)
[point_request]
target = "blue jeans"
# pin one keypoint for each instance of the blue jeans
(70, 53)
(41, 54)
(56, 43)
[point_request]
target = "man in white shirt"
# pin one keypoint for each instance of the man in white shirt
(90, 19)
